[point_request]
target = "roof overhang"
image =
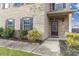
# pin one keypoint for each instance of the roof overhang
(61, 12)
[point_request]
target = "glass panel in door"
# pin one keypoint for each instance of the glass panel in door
(54, 28)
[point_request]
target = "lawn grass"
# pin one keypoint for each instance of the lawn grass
(11, 52)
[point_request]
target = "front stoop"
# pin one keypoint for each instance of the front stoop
(49, 48)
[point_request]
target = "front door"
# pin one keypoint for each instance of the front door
(54, 28)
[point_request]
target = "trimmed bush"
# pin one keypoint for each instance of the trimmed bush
(72, 44)
(7, 33)
(72, 39)
(74, 35)
(23, 34)
(33, 35)
(1, 30)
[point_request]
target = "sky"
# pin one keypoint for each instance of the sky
(75, 17)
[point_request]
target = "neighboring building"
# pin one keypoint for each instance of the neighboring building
(75, 30)
(51, 19)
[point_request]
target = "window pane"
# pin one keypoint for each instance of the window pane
(64, 5)
(26, 23)
(58, 6)
(12, 27)
(10, 23)
(18, 4)
(26, 27)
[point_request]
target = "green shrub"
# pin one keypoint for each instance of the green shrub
(33, 35)
(1, 30)
(7, 33)
(23, 34)
(71, 39)
(74, 35)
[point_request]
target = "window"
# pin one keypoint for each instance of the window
(26, 23)
(10, 23)
(64, 5)
(18, 4)
(5, 5)
(53, 6)
(58, 6)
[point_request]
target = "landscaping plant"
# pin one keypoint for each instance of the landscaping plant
(72, 39)
(1, 30)
(23, 34)
(7, 33)
(33, 35)
(72, 43)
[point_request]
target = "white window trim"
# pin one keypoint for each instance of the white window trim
(6, 5)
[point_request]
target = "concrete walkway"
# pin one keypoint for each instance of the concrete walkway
(49, 48)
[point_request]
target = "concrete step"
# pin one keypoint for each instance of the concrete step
(49, 39)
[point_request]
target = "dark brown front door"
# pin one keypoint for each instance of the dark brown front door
(54, 27)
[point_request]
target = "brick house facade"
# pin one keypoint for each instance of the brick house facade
(51, 19)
